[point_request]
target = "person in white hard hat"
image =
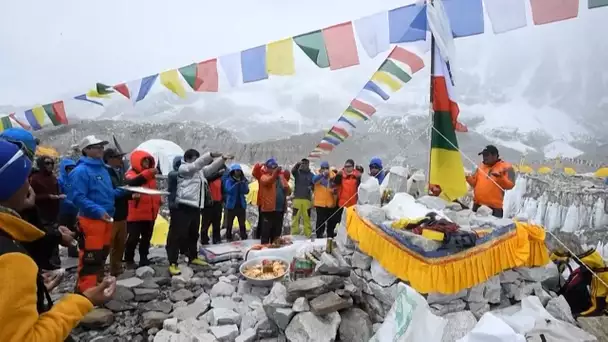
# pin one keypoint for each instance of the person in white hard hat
(93, 194)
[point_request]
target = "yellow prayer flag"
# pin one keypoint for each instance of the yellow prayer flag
(388, 80)
(95, 93)
(39, 114)
(279, 58)
(171, 80)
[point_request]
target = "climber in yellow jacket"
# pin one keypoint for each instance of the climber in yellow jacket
(26, 311)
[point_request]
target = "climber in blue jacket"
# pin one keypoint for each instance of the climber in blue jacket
(377, 170)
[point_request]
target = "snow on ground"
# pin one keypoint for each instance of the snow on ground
(515, 145)
(561, 149)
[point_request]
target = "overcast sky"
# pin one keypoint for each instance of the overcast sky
(52, 49)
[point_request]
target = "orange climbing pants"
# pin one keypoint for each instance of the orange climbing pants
(94, 249)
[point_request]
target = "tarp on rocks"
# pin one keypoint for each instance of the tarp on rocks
(161, 229)
(163, 151)
(446, 271)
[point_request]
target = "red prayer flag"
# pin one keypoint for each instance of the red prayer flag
(341, 46)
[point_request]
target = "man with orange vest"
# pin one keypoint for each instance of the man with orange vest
(324, 200)
(143, 210)
(272, 198)
(347, 182)
(490, 180)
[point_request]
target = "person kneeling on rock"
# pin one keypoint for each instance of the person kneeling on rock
(26, 311)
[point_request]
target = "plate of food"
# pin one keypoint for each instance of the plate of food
(264, 271)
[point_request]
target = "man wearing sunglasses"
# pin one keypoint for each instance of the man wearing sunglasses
(93, 195)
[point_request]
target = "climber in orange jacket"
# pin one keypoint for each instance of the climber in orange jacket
(490, 180)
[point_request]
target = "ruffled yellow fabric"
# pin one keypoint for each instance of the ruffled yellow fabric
(523, 246)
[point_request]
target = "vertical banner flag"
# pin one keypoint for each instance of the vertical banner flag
(313, 45)
(5, 123)
(253, 64)
(231, 65)
(101, 91)
(279, 58)
(19, 122)
(373, 33)
(506, 15)
(139, 89)
(35, 117)
(171, 80)
(123, 89)
(341, 46)
(548, 11)
(466, 17)
(597, 3)
(56, 112)
(201, 76)
(407, 24)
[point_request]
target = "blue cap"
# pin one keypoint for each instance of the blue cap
(376, 162)
(271, 162)
(20, 135)
(324, 165)
(14, 169)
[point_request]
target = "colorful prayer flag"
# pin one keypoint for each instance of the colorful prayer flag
(171, 80)
(5, 123)
(35, 117)
(201, 76)
(231, 65)
(139, 89)
(597, 3)
(56, 112)
(506, 15)
(341, 46)
(346, 121)
(279, 58)
(123, 89)
(326, 146)
(313, 45)
(466, 17)
(253, 64)
(101, 91)
(548, 11)
(373, 87)
(407, 24)
(408, 58)
(362, 107)
(84, 97)
(189, 74)
(373, 33)
(19, 122)
(446, 168)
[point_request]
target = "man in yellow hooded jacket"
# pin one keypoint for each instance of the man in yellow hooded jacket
(26, 311)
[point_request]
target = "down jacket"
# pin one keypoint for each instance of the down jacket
(192, 179)
(146, 207)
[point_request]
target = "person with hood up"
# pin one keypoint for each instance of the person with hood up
(46, 187)
(490, 180)
(347, 183)
(115, 166)
(377, 170)
(27, 313)
(212, 213)
(324, 200)
(172, 184)
(93, 195)
(143, 209)
(235, 187)
(192, 195)
(302, 196)
(68, 213)
(272, 198)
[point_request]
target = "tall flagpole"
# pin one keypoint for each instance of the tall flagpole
(431, 111)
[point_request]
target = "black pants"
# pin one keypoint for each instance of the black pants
(496, 212)
(138, 232)
(229, 215)
(212, 216)
(70, 221)
(272, 224)
(258, 227)
(183, 233)
(325, 221)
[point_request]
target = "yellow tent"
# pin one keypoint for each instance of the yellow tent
(161, 229)
(525, 169)
(569, 171)
(544, 170)
(47, 151)
(601, 172)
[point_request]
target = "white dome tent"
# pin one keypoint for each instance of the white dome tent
(163, 151)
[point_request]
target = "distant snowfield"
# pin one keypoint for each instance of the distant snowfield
(515, 145)
(521, 116)
(561, 149)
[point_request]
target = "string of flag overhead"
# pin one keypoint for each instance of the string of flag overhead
(335, 47)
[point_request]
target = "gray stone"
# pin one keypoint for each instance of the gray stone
(123, 294)
(149, 284)
(97, 318)
(360, 282)
(232, 277)
(342, 271)
(222, 289)
(376, 326)
(129, 282)
(458, 325)
(217, 273)
(153, 319)
(509, 276)
(204, 337)
(118, 305)
(360, 260)
(260, 291)
(307, 326)
(156, 305)
(386, 295)
(145, 295)
(178, 282)
(380, 275)
(560, 309)
(180, 295)
(438, 298)
(374, 308)
(225, 333)
(181, 304)
(478, 309)
(301, 305)
(193, 310)
(248, 335)
(266, 328)
(453, 306)
(313, 286)
(236, 297)
(144, 272)
(165, 336)
(186, 272)
(355, 326)
(170, 324)
(223, 303)
(276, 306)
(192, 326)
(249, 319)
(224, 316)
(243, 287)
(329, 302)
(224, 279)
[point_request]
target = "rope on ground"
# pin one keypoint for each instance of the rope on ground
(580, 262)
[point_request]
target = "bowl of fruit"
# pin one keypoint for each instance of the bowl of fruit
(264, 271)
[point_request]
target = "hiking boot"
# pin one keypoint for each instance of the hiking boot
(198, 262)
(174, 270)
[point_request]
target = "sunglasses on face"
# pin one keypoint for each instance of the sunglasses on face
(49, 163)
(348, 166)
